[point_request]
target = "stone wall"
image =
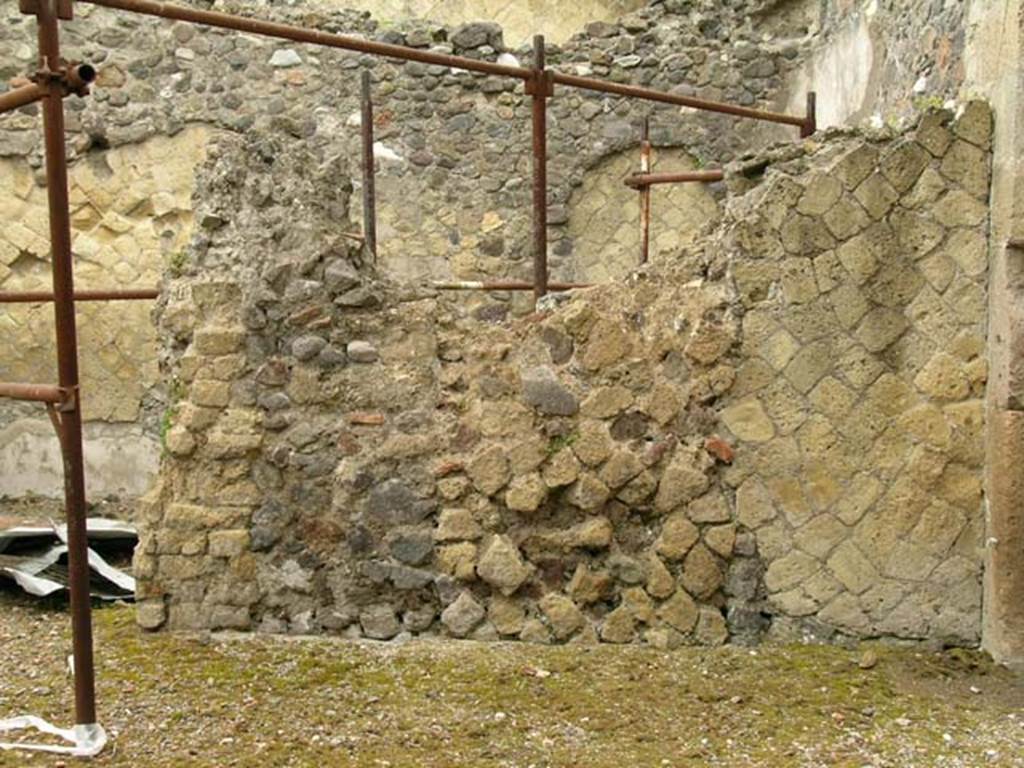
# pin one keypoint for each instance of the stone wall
(604, 218)
(558, 21)
(779, 432)
(885, 60)
(353, 456)
(454, 168)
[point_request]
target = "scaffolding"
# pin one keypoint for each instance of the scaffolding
(55, 79)
(645, 179)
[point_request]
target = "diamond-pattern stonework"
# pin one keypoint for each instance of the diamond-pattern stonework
(884, 394)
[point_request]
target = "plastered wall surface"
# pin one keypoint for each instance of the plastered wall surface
(840, 73)
(992, 69)
(120, 459)
(882, 60)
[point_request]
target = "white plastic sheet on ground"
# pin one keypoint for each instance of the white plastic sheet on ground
(30, 572)
(83, 740)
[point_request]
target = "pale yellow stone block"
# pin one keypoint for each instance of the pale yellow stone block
(748, 421)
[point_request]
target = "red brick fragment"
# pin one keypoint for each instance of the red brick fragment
(656, 451)
(446, 468)
(720, 449)
(306, 316)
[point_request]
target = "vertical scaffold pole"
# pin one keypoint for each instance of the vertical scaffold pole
(369, 170)
(645, 192)
(540, 88)
(67, 362)
(810, 124)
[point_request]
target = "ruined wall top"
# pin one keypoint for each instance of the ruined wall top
(776, 433)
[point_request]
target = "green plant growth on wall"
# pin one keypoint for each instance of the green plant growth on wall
(924, 103)
(177, 263)
(175, 393)
(561, 442)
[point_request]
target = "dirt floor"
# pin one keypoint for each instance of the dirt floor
(258, 701)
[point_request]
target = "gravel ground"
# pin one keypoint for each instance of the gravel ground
(258, 701)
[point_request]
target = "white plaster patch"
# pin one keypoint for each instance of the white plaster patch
(285, 57)
(119, 460)
(840, 74)
(169, 91)
(384, 152)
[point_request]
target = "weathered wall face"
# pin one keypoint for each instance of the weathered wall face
(885, 60)
(349, 457)
(454, 163)
(131, 218)
(121, 460)
(994, 49)
(780, 433)
(843, 73)
(903, 56)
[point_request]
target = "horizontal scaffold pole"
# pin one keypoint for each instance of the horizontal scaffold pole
(40, 297)
(475, 285)
(649, 179)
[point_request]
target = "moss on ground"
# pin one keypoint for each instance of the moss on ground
(256, 701)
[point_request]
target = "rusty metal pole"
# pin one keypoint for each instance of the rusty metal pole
(645, 191)
(649, 179)
(649, 94)
(539, 88)
(810, 124)
(67, 363)
(502, 285)
(39, 393)
(369, 170)
(42, 297)
(19, 97)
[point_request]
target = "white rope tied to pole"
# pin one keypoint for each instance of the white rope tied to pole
(87, 740)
